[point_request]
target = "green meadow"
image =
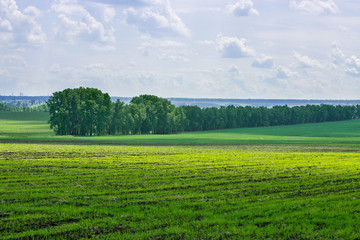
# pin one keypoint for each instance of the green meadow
(286, 182)
(33, 127)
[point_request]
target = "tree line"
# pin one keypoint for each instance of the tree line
(39, 108)
(88, 111)
(240, 117)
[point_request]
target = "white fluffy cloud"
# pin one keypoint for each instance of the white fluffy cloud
(156, 20)
(315, 6)
(243, 8)
(233, 47)
(307, 62)
(337, 56)
(77, 22)
(283, 72)
(263, 62)
(353, 66)
(20, 27)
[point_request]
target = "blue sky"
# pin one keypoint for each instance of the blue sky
(299, 49)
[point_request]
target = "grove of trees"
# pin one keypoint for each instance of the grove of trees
(81, 111)
(88, 111)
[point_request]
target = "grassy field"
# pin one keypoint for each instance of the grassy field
(118, 192)
(33, 127)
(289, 182)
(24, 125)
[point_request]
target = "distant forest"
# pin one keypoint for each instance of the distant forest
(24, 108)
(88, 111)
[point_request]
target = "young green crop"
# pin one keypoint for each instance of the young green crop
(72, 192)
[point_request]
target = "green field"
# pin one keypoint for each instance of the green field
(33, 127)
(290, 182)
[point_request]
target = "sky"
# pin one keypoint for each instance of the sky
(283, 49)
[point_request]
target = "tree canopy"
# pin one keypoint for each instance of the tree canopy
(81, 111)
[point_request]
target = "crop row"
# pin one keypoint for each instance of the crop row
(72, 192)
